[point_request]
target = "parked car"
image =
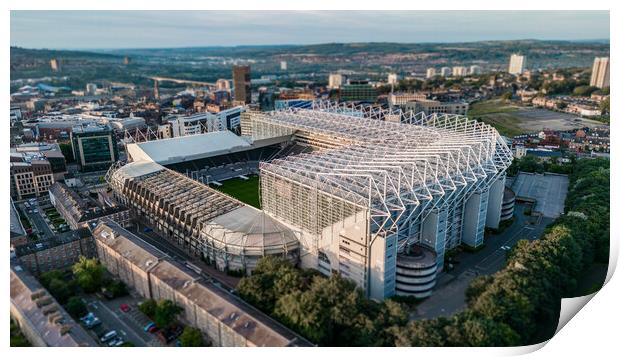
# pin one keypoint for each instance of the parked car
(153, 329)
(88, 316)
(125, 308)
(115, 341)
(92, 323)
(147, 229)
(148, 326)
(170, 334)
(108, 336)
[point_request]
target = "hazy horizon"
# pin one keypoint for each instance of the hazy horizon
(118, 30)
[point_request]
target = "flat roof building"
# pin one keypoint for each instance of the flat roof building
(94, 146)
(40, 317)
(225, 319)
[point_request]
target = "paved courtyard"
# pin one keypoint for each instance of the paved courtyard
(549, 191)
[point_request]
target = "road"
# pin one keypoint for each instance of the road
(180, 255)
(37, 220)
(113, 319)
(449, 295)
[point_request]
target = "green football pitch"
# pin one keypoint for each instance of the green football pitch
(243, 190)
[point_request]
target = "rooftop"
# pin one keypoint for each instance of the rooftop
(229, 309)
(50, 321)
(17, 229)
(127, 244)
(248, 229)
(58, 239)
(186, 148)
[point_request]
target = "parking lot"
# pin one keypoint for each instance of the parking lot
(32, 210)
(548, 190)
(129, 325)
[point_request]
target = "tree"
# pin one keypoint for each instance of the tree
(56, 283)
(191, 337)
(328, 312)
(148, 307)
(584, 91)
(117, 288)
(17, 337)
(604, 106)
(89, 274)
(166, 313)
(273, 277)
(76, 307)
(476, 287)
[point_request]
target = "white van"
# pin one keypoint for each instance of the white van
(108, 336)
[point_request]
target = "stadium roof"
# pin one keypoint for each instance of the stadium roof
(187, 148)
(387, 160)
(247, 229)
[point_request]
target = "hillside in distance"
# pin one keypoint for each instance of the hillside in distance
(367, 60)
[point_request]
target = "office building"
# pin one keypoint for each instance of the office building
(475, 69)
(459, 71)
(431, 72)
(91, 89)
(55, 64)
(517, 64)
(222, 84)
(266, 99)
(600, 72)
(446, 71)
(283, 66)
(94, 146)
(436, 107)
(392, 79)
(404, 98)
(358, 91)
(363, 209)
(156, 89)
(241, 84)
(200, 123)
(30, 175)
(336, 80)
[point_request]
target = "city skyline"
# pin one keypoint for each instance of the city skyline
(171, 29)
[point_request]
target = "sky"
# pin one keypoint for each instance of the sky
(163, 29)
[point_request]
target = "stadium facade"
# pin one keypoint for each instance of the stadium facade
(379, 197)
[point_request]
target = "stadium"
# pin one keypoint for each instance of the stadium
(377, 195)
